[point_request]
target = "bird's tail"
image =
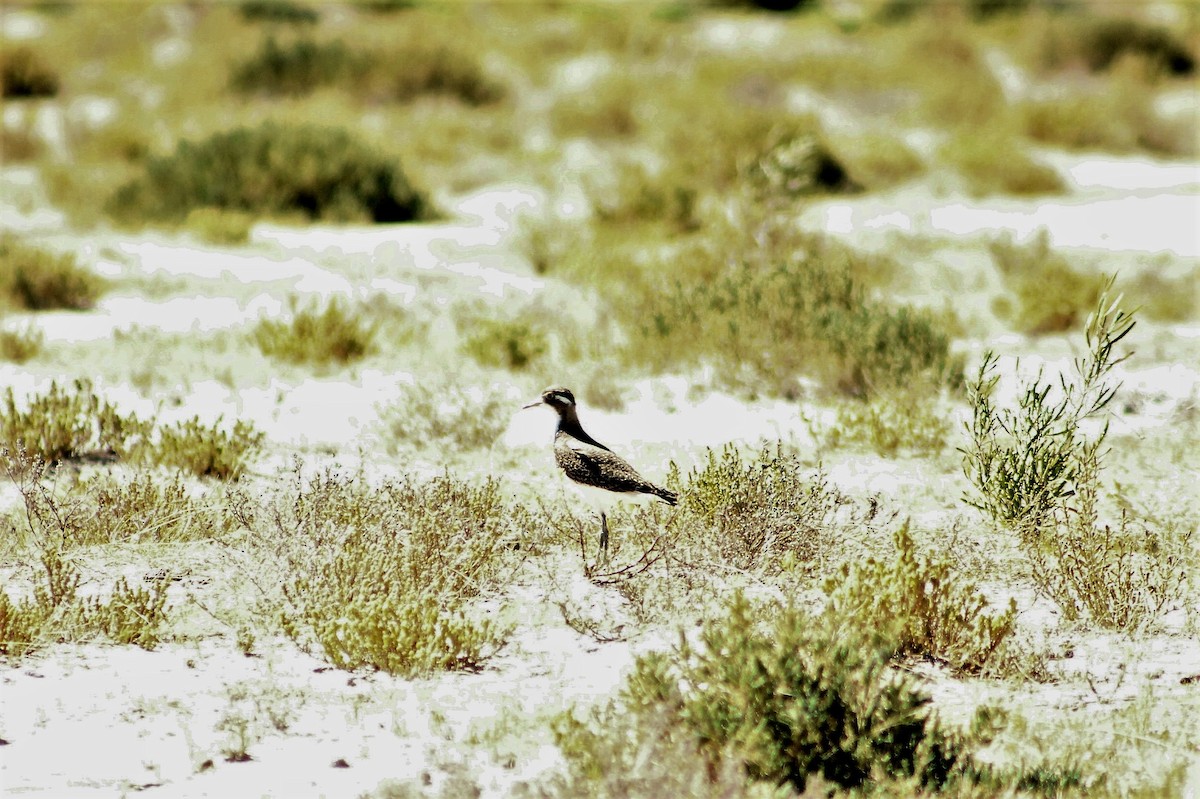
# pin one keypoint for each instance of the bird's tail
(665, 494)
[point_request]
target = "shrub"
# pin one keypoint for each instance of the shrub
(62, 424)
(275, 168)
(206, 451)
(1023, 463)
(386, 572)
(792, 305)
(37, 279)
(506, 344)
(785, 700)
(1106, 39)
(1051, 296)
(24, 74)
(278, 11)
(20, 345)
(218, 226)
(759, 513)
(888, 423)
(446, 416)
(1035, 472)
(297, 68)
(315, 334)
(992, 163)
(936, 614)
(420, 70)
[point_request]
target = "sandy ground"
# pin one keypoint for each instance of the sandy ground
(99, 720)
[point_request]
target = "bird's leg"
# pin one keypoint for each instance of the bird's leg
(603, 534)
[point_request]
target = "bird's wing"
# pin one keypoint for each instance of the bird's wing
(603, 468)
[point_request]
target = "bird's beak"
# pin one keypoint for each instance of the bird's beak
(533, 404)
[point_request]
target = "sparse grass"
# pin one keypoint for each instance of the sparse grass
(332, 333)
(272, 169)
(297, 67)
(877, 160)
(512, 344)
(219, 226)
(37, 279)
(386, 575)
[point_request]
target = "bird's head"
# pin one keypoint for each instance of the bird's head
(559, 398)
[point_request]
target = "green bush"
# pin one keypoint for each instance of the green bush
(888, 423)
(777, 697)
(386, 573)
(273, 169)
(506, 344)
(1107, 39)
(318, 335)
(24, 74)
(62, 424)
(787, 308)
(278, 11)
(37, 279)
(936, 614)
(1023, 463)
(1051, 296)
(758, 513)
(19, 346)
(420, 70)
(991, 162)
(446, 416)
(296, 68)
(206, 451)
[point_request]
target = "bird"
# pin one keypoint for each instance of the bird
(589, 463)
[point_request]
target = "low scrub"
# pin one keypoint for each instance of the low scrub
(937, 615)
(788, 306)
(73, 423)
(297, 68)
(510, 344)
(994, 163)
(386, 574)
(283, 11)
(797, 165)
(759, 513)
(1106, 40)
(273, 169)
(1049, 294)
(446, 416)
(1036, 472)
(36, 279)
(20, 344)
(773, 698)
(24, 74)
(321, 334)
(889, 423)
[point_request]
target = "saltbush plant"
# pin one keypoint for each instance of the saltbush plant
(74, 423)
(758, 513)
(775, 697)
(274, 169)
(386, 574)
(316, 333)
(937, 614)
(1035, 471)
(1049, 294)
(36, 279)
(790, 305)
(297, 67)
(24, 74)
